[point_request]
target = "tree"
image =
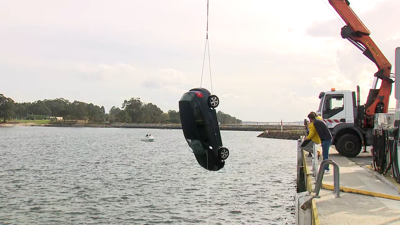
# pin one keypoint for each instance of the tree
(40, 108)
(227, 119)
(150, 113)
(174, 116)
(95, 113)
(6, 108)
(118, 115)
(113, 114)
(132, 111)
(64, 113)
(20, 110)
(164, 118)
(123, 117)
(132, 107)
(78, 110)
(59, 107)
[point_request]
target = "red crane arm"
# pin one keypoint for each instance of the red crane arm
(358, 34)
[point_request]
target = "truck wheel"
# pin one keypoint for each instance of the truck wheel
(349, 145)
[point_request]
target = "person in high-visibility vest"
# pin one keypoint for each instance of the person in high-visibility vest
(323, 134)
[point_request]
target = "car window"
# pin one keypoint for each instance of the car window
(195, 145)
(198, 116)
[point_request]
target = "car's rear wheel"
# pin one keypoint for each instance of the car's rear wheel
(223, 153)
(213, 101)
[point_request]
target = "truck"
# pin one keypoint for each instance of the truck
(352, 124)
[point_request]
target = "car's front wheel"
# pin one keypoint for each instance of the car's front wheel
(223, 153)
(213, 101)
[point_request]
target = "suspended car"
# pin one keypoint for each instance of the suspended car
(200, 128)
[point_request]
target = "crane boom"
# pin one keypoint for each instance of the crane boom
(359, 35)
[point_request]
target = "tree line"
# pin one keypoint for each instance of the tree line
(131, 111)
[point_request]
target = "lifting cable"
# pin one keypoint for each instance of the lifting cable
(207, 47)
(334, 12)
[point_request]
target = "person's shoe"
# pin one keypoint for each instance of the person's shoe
(327, 172)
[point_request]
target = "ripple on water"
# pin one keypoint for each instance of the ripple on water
(108, 176)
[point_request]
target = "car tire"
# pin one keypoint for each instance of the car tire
(213, 101)
(223, 153)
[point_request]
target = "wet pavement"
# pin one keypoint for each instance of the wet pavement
(372, 199)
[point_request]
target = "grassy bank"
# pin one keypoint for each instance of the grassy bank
(22, 122)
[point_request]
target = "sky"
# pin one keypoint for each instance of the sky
(269, 60)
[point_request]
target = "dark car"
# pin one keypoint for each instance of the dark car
(200, 128)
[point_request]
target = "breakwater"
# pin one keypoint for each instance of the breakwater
(286, 134)
(270, 128)
(291, 132)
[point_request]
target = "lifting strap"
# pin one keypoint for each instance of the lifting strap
(206, 47)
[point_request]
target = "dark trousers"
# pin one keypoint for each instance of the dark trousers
(326, 144)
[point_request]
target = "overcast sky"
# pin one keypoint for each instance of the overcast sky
(269, 59)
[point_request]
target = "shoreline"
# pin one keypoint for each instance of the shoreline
(290, 132)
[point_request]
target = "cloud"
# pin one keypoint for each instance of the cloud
(106, 73)
(267, 62)
(331, 28)
(164, 78)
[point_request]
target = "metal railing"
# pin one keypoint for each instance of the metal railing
(304, 197)
(336, 177)
(310, 147)
(319, 173)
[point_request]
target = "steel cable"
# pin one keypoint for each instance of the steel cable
(207, 47)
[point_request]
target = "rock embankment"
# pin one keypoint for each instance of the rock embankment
(286, 134)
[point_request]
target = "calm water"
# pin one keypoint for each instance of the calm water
(108, 176)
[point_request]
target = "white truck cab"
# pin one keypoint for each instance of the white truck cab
(337, 107)
(340, 112)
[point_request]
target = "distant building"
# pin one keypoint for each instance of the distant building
(55, 118)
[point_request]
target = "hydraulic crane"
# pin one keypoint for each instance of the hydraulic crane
(351, 123)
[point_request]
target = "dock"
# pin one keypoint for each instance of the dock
(365, 196)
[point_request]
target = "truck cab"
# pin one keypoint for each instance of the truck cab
(337, 107)
(343, 117)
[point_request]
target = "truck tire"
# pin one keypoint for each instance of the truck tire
(349, 145)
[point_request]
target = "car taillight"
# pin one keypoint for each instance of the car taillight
(199, 94)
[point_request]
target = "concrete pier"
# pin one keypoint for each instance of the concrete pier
(366, 196)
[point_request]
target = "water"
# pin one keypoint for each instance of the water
(108, 176)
